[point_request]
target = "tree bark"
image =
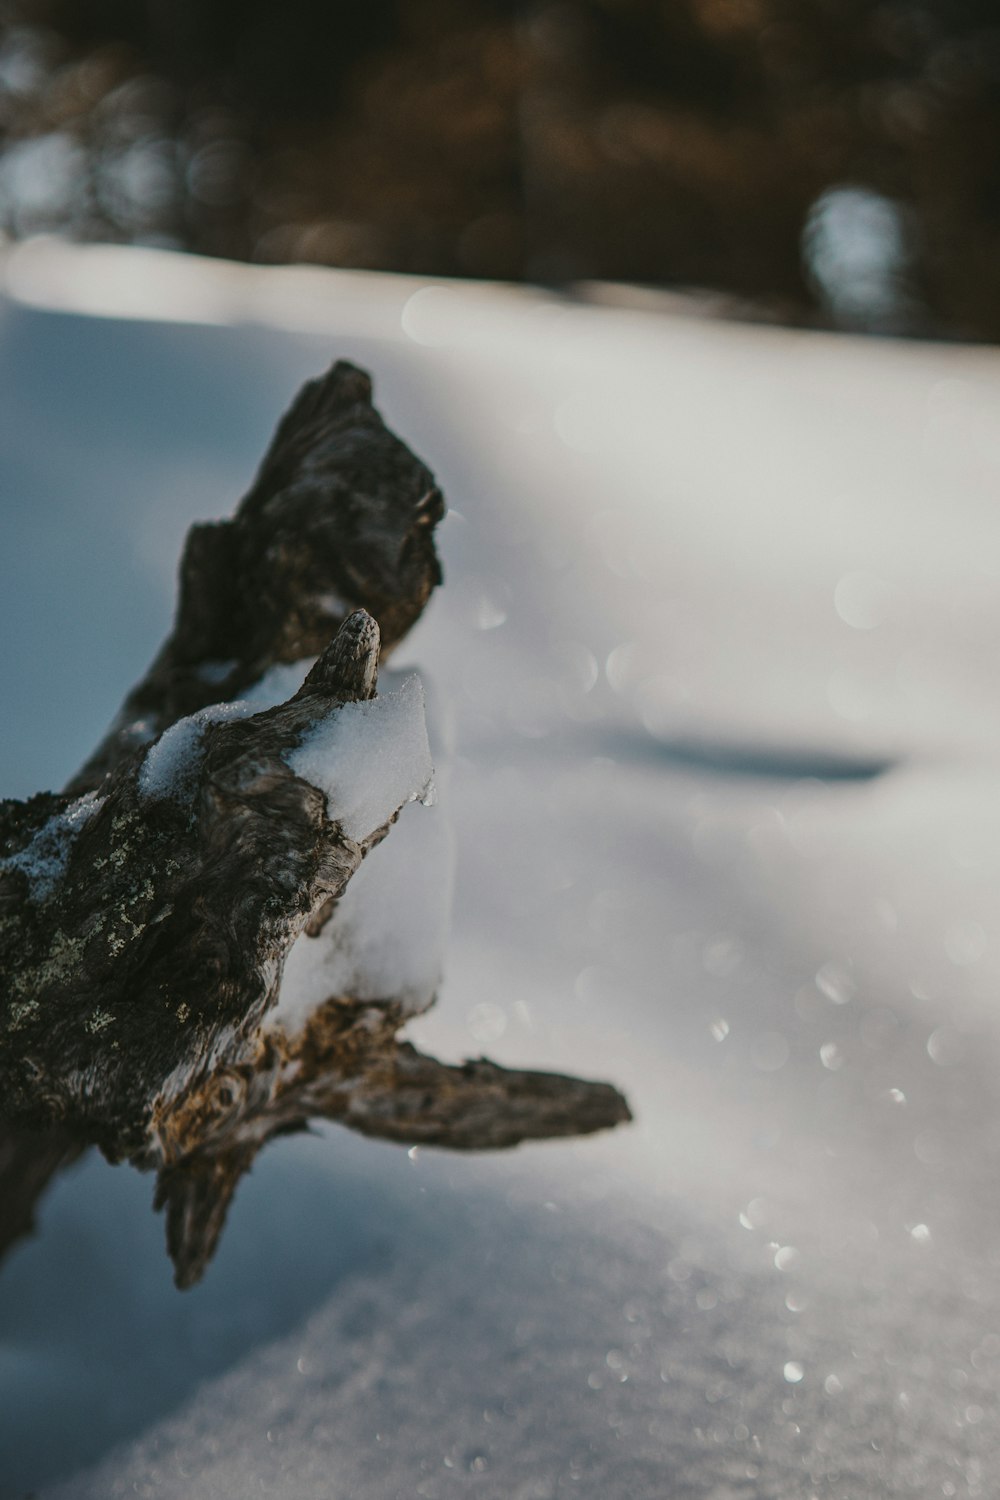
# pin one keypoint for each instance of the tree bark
(146, 912)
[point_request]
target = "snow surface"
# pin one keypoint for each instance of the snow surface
(369, 758)
(719, 634)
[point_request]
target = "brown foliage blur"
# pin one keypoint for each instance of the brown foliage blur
(671, 142)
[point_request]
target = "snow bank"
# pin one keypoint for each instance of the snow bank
(699, 534)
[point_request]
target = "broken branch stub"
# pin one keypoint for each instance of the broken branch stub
(146, 914)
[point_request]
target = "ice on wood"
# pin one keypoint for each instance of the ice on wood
(171, 765)
(370, 758)
(45, 859)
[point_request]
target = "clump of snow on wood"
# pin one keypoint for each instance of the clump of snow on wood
(45, 859)
(387, 937)
(171, 765)
(369, 758)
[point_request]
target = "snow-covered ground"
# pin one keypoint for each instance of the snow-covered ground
(720, 639)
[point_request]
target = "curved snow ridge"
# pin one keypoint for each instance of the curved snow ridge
(369, 758)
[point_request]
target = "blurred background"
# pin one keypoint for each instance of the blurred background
(826, 162)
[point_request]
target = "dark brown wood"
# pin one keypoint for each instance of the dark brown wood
(145, 919)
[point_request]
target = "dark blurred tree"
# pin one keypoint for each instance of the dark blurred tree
(674, 142)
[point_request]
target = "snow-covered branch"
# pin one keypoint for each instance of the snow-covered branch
(147, 912)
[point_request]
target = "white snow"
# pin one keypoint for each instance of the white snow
(772, 546)
(171, 765)
(44, 860)
(369, 758)
(388, 936)
(387, 939)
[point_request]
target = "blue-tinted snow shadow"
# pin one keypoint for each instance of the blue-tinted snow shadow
(95, 1341)
(630, 745)
(736, 758)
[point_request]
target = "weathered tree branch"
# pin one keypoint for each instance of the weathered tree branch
(146, 913)
(341, 516)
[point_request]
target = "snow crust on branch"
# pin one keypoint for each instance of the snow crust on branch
(44, 860)
(369, 759)
(387, 937)
(171, 765)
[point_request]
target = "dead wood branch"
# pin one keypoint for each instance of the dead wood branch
(146, 913)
